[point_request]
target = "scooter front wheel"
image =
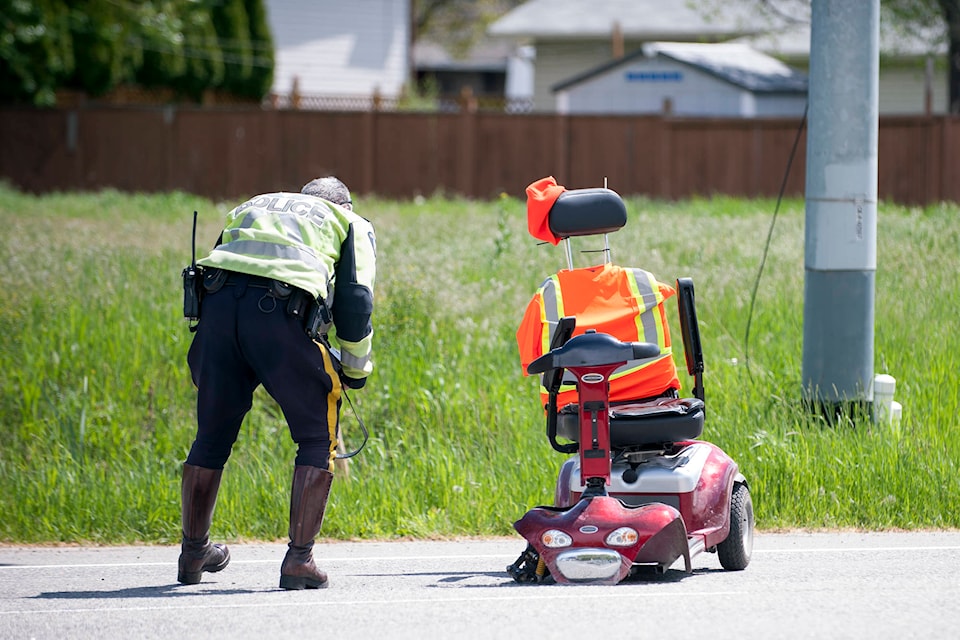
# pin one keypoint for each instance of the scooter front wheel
(529, 569)
(734, 552)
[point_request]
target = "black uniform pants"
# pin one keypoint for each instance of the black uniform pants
(246, 338)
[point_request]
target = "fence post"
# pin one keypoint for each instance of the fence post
(562, 161)
(170, 144)
(931, 187)
(467, 144)
(296, 98)
(948, 185)
(467, 101)
(74, 147)
(369, 157)
(664, 169)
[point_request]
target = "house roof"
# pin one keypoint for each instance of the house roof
(639, 19)
(793, 41)
(485, 56)
(747, 21)
(737, 64)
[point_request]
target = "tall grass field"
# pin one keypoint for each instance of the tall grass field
(97, 407)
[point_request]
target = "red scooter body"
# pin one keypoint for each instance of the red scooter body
(643, 489)
(703, 500)
(655, 536)
(648, 509)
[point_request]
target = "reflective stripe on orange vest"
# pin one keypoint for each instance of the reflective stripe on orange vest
(625, 303)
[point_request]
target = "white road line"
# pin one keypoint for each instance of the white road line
(324, 559)
(858, 549)
(566, 593)
(330, 560)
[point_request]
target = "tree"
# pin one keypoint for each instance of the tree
(36, 50)
(233, 34)
(163, 56)
(951, 13)
(103, 50)
(95, 46)
(923, 17)
(205, 68)
(244, 36)
(456, 24)
(261, 42)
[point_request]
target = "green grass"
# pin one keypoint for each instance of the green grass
(96, 411)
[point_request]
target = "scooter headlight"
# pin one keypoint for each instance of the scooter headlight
(555, 538)
(622, 537)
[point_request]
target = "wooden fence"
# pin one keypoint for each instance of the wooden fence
(236, 152)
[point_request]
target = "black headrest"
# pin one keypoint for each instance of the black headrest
(586, 212)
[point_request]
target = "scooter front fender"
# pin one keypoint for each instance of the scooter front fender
(660, 538)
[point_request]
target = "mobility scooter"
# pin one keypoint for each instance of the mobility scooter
(642, 490)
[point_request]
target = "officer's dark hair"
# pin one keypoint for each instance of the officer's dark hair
(329, 188)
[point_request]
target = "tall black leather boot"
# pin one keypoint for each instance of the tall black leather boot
(308, 501)
(198, 494)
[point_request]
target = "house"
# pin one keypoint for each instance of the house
(330, 49)
(572, 38)
(482, 73)
(688, 79)
(910, 82)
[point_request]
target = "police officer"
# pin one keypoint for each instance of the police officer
(278, 254)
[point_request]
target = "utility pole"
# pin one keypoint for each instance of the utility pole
(841, 204)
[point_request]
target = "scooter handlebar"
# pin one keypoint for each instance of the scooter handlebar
(592, 349)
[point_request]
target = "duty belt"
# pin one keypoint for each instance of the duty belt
(299, 303)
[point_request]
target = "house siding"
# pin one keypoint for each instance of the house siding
(903, 91)
(647, 86)
(567, 43)
(779, 106)
(902, 86)
(338, 48)
(560, 60)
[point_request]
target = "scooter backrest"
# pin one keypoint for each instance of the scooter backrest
(587, 212)
(690, 331)
(592, 349)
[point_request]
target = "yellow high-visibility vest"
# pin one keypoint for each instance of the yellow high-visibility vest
(315, 245)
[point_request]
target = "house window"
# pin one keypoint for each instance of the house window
(654, 76)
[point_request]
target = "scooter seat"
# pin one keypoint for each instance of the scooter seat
(634, 424)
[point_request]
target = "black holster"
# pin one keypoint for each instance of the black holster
(192, 292)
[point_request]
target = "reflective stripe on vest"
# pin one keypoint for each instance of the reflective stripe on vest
(278, 232)
(552, 304)
(646, 292)
(301, 253)
(349, 360)
(644, 289)
(290, 219)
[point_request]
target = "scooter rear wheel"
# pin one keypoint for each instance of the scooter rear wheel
(734, 552)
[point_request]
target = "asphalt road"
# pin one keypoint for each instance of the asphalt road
(823, 585)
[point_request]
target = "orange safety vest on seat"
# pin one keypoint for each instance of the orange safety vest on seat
(625, 303)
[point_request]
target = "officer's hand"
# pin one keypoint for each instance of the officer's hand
(352, 383)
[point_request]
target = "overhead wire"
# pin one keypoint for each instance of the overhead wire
(766, 246)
